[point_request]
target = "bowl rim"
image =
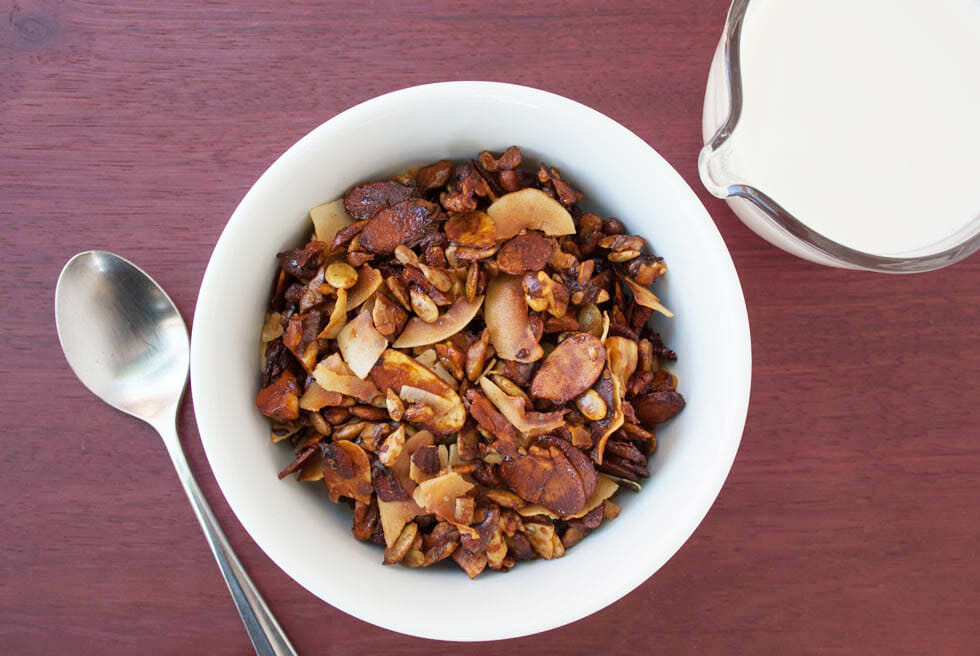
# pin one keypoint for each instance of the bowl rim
(738, 331)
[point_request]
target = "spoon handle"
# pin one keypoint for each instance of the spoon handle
(267, 636)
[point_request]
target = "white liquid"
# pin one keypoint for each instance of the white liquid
(862, 117)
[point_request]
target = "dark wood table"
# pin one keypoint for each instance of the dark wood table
(849, 524)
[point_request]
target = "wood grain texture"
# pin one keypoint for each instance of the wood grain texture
(849, 523)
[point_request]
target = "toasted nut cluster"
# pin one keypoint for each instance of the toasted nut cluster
(467, 358)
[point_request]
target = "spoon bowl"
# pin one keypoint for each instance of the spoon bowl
(125, 340)
(122, 335)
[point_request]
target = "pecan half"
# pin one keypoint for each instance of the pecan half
(510, 159)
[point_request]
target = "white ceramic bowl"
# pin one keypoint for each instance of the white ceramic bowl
(309, 538)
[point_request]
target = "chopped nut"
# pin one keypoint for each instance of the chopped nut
(464, 509)
(561, 260)
(399, 291)
(298, 462)
(336, 416)
(392, 447)
(472, 254)
(519, 548)
(622, 242)
(645, 269)
(558, 549)
(611, 510)
(511, 180)
(396, 409)
(544, 293)
(414, 558)
(541, 538)
(573, 535)
(496, 550)
(511, 523)
(613, 226)
(388, 317)
(470, 562)
(387, 484)
(280, 400)
(365, 520)
(591, 405)
(419, 414)
(424, 306)
(320, 424)
(475, 282)
(505, 499)
(590, 319)
(467, 183)
(396, 552)
(406, 255)
(476, 356)
(341, 275)
(623, 256)
(510, 159)
(348, 431)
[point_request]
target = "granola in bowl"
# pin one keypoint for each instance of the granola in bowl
(465, 356)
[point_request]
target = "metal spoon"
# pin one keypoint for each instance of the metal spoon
(126, 342)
